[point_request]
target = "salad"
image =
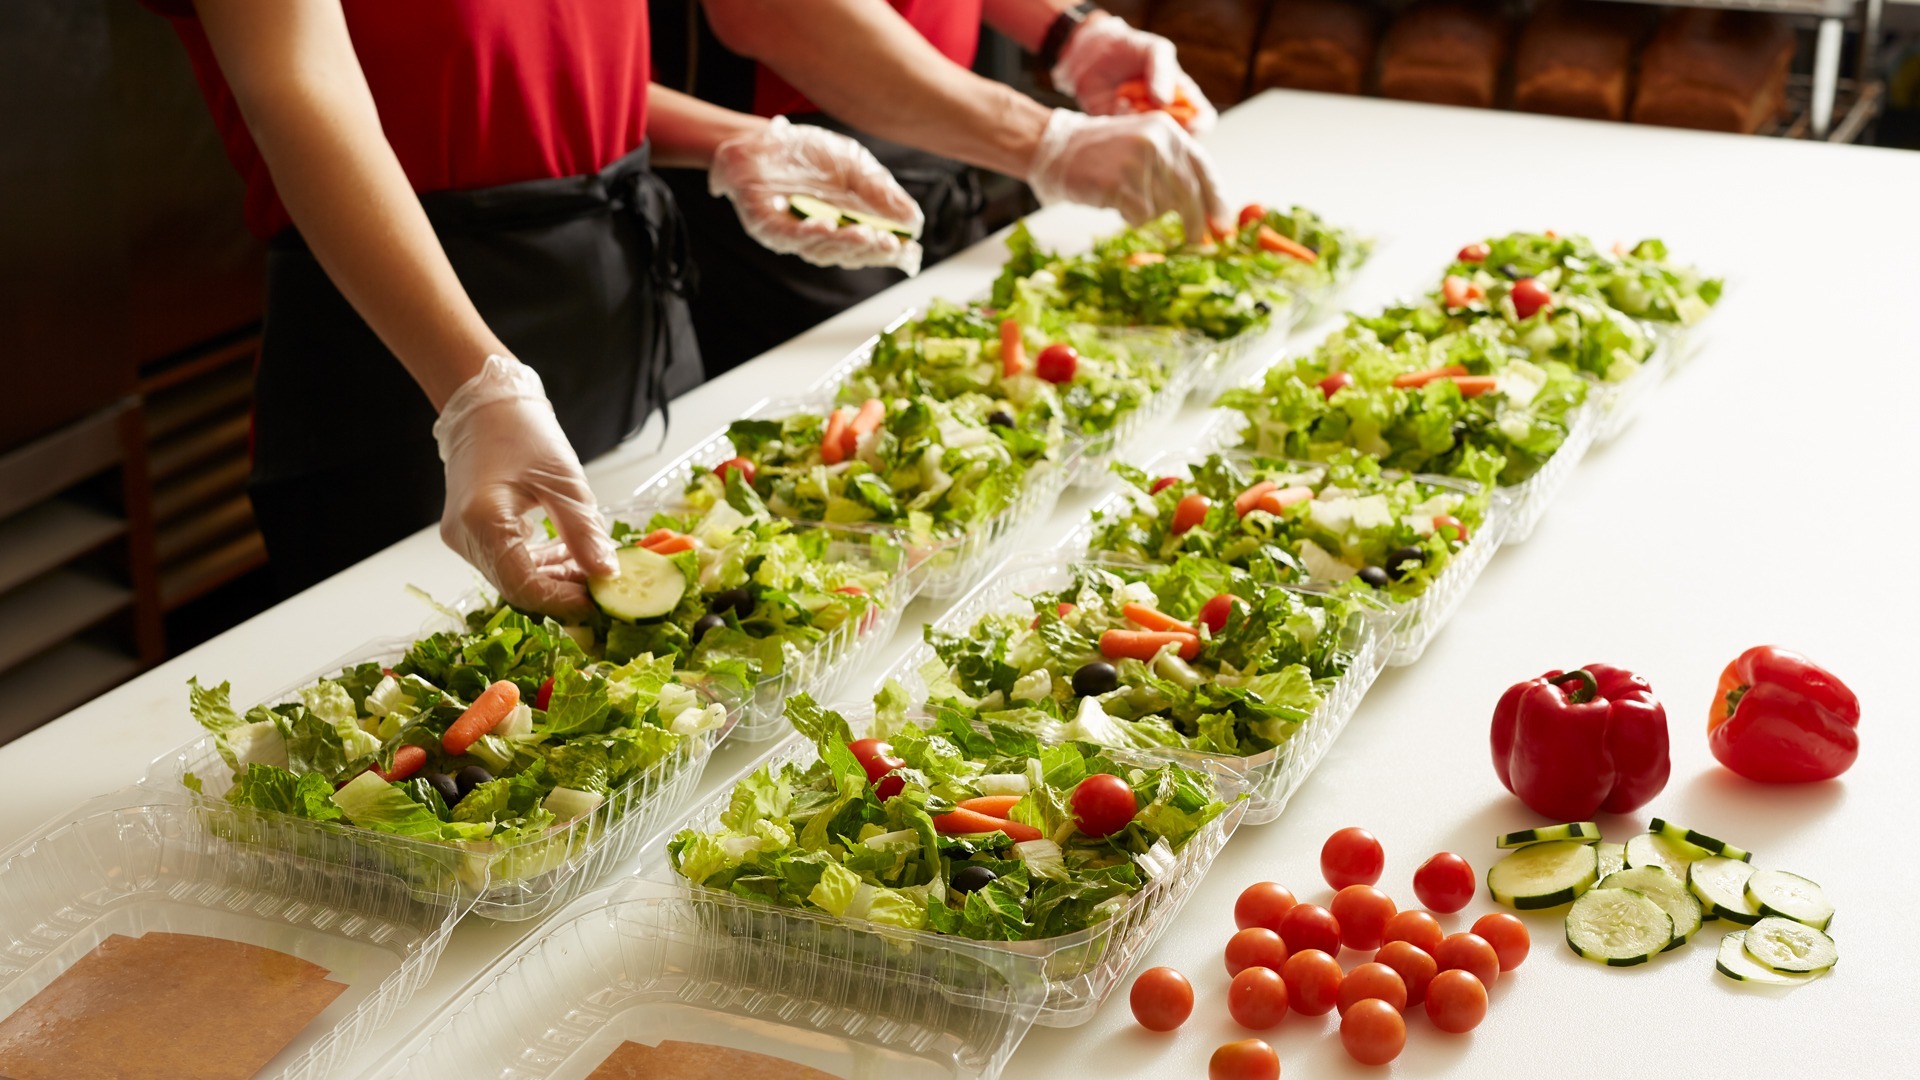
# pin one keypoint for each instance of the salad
(486, 737)
(1039, 375)
(1345, 522)
(939, 824)
(1637, 281)
(937, 468)
(1198, 655)
(1149, 275)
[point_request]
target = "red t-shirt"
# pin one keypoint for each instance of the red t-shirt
(471, 93)
(952, 26)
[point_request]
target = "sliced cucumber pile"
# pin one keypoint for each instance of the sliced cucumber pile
(646, 585)
(1631, 902)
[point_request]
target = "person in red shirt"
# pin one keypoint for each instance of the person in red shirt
(894, 74)
(463, 220)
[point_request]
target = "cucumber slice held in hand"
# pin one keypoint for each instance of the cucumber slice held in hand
(1543, 875)
(1790, 947)
(1661, 887)
(1721, 885)
(646, 585)
(1735, 964)
(1790, 896)
(807, 207)
(1573, 830)
(1618, 927)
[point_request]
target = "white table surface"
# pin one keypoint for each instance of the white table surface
(1756, 500)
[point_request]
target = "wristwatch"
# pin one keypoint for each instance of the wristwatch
(1064, 24)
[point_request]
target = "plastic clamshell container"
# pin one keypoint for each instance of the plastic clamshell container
(1077, 970)
(525, 881)
(1622, 402)
(1271, 776)
(821, 668)
(645, 962)
(236, 874)
(1414, 622)
(943, 568)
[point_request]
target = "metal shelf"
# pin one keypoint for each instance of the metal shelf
(1854, 107)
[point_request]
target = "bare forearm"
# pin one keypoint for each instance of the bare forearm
(1025, 21)
(861, 62)
(293, 71)
(685, 130)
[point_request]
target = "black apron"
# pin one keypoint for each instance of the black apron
(751, 299)
(584, 278)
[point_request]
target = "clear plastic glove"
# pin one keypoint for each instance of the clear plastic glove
(1105, 54)
(506, 455)
(760, 171)
(1143, 166)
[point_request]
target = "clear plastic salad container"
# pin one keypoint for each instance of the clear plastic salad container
(239, 875)
(941, 569)
(822, 667)
(1078, 970)
(1621, 402)
(1271, 776)
(644, 962)
(1414, 622)
(525, 881)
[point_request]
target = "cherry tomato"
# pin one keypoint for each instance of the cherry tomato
(1415, 968)
(1444, 883)
(1103, 804)
(1470, 953)
(1373, 1032)
(1256, 946)
(1474, 253)
(543, 695)
(738, 464)
(1313, 982)
(1310, 926)
(1508, 936)
(1162, 999)
(1248, 1059)
(1375, 980)
(1442, 522)
(1336, 382)
(1529, 296)
(1251, 213)
(1257, 999)
(1262, 904)
(1191, 511)
(1214, 612)
(1416, 928)
(1352, 856)
(1362, 912)
(1456, 1001)
(876, 757)
(1057, 363)
(1162, 484)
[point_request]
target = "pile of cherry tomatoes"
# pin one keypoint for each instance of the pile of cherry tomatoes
(1285, 957)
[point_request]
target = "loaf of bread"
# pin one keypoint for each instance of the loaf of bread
(1575, 58)
(1449, 52)
(1317, 45)
(1715, 70)
(1215, 40)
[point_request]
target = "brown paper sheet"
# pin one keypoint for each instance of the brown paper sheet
(675, 1060)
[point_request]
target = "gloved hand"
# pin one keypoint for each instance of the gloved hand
(1142, 166)
(505, 455)
(1106, 53)
(759, 171)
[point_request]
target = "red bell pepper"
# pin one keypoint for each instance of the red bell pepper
(1782, 719)
(1576, 742)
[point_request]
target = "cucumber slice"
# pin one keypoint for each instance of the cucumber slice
(1721, 885)
(1575, 830)
(1613, 857)
(1790, 896)
(807, 207)
(1795, 948)
(1618, 927)
(1543, 875)
(1711, 845)
(1666, 890)
(1659, 849)
(1735, 964)
(646, 586)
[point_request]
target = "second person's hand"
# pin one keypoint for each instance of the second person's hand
(1143, 165)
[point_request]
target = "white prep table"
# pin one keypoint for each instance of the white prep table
(1756, 500)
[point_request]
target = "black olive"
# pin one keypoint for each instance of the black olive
(469, 778)
(1095, 679)
(738, 601)
(1511, 271)
(1000, 418)
(972, 877)
(1405, 554)
(1374, 576)
(706, 622)
(1262, 307)
(449, 790)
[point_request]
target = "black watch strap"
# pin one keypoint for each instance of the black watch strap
(1064, 24)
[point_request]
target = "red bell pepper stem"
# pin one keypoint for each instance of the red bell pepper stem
(1579, 695)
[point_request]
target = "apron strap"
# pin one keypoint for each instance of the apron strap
(643, 200)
